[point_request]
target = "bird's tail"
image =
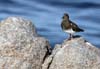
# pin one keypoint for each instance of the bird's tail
(81, 30)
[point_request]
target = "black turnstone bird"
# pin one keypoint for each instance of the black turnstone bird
(69, 27)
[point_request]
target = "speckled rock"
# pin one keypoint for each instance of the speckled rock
(20, 46)
(73, 54)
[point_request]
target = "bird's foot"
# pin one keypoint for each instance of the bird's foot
(70, 38)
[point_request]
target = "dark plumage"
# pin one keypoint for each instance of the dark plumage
(69, 27)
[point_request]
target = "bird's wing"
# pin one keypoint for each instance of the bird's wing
(73, 24)
(75, 27)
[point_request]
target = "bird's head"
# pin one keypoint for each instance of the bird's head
(66, 16)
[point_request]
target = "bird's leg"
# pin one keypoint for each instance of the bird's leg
(70, 36)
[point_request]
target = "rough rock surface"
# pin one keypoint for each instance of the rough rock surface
(73, 54)
(20, 47)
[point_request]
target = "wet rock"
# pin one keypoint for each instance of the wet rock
(20, 46)
(73, 54)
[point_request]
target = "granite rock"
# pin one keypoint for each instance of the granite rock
(73, 54)
(20, 46)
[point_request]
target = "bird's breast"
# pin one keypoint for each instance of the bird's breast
(69, 31)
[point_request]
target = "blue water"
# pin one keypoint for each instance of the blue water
(47, 16)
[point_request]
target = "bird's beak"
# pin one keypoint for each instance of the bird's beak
(63, 17)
